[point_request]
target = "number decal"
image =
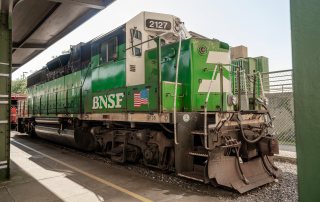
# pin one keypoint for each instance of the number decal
(165, 25)
(151, 118)
(158, 24)
(151, 25)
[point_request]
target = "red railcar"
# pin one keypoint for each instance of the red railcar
(14, 108)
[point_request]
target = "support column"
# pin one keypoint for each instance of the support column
(305, 29)
(5, 87)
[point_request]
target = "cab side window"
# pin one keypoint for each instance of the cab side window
(136, 38)
(108, 50)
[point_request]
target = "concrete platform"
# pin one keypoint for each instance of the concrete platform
(287, 153)
(47, 173)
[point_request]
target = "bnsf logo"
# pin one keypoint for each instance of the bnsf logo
(107, 101)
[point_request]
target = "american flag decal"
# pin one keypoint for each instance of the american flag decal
(141, 98)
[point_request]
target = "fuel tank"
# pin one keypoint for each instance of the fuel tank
(65, 137)
(80, 138)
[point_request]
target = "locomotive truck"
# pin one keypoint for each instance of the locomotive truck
(149, 92)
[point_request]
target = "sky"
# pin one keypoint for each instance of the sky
(262, 26)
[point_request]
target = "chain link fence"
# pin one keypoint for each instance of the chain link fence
(277, 88)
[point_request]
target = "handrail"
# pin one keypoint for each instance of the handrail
(274, 81)
(205, 110)
(285, 84)
(261, 85)
(175, 93)
(279, 76)
(239, 89)
(245, 89)
(280, 71)
(159, 74)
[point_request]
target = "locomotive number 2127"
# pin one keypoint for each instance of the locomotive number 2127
(158, 24)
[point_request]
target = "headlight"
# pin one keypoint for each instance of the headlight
(263, 101)
(232, 100)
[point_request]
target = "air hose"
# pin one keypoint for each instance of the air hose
(243, 134)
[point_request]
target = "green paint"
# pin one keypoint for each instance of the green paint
(60, 96)
(101, 84)
(252, 65)
(193, 68)
(5, 89)
(153, 102)
(109, 76)
(202, 71)
(114, 100)
(305, 20)
(168, 97)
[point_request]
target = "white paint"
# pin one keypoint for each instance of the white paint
(103, 101)
(3, 162)
(216, 58)
(215, 86)
(4, 75)
(107, 101)
(119, 99)
(186, 118)
(4, 63)
(111, 101)
(3, 167)
(95, 102)
(219, 58)
(138, 76)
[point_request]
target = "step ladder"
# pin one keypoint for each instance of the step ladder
(200, 153)
(200, 156)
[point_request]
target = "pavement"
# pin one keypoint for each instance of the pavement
(46, 173)
(289, 148)
(43, 172)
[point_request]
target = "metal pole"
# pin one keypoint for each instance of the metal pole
(245, 88)
(5, 89)
(159, 75)
(305, 33)
(175, 93)
(205, 109)
(221, 87)
(239, 89)
(254, 91)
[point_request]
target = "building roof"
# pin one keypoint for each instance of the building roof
(37, 24)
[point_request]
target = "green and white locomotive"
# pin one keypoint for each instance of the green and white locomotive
(152, 93)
